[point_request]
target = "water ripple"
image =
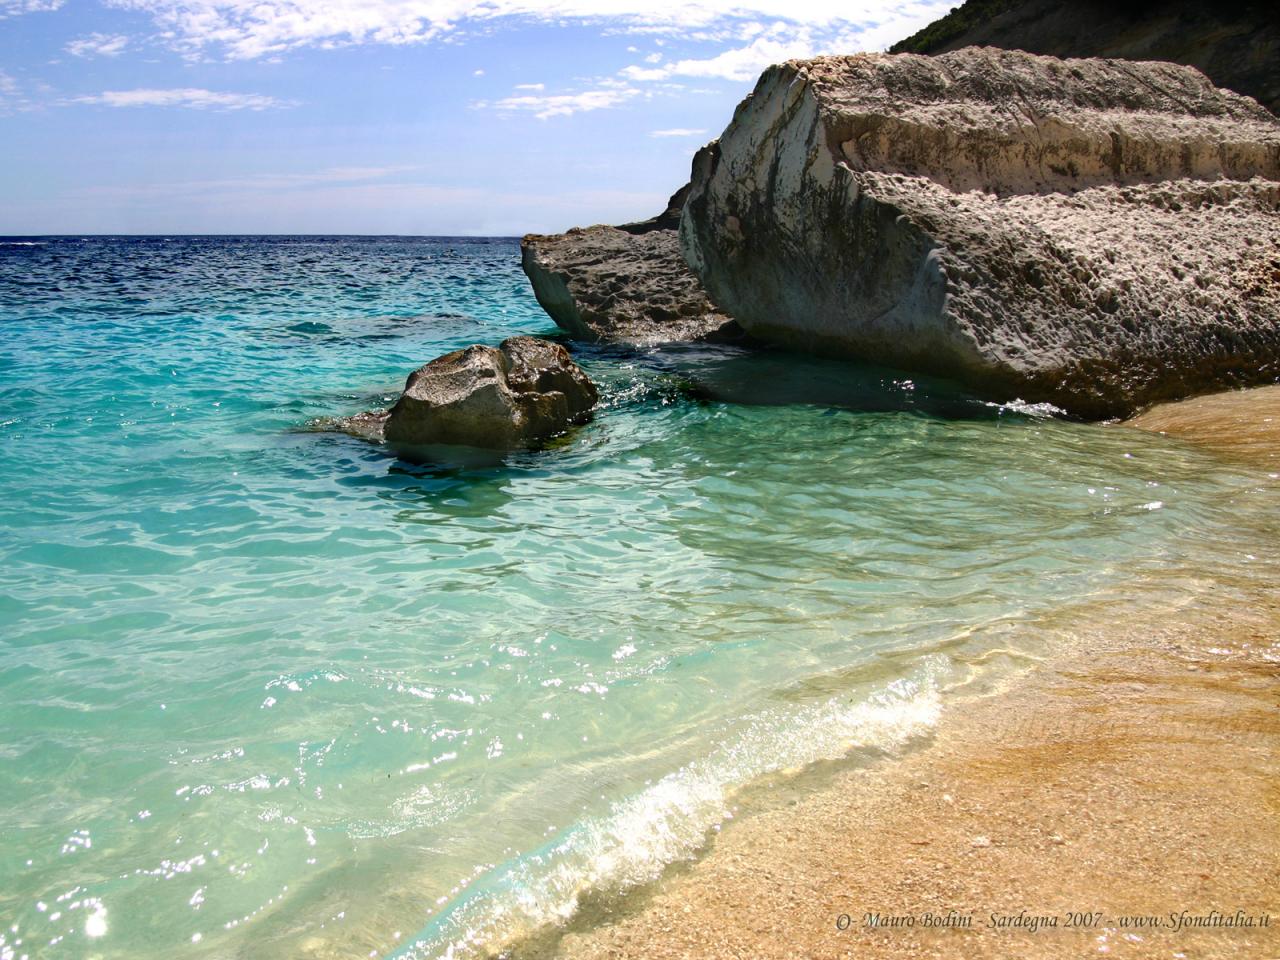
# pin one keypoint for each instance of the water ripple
(278, 690)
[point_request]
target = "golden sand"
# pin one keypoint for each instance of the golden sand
(1242, 424)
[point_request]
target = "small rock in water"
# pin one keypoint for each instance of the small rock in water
(510, 397)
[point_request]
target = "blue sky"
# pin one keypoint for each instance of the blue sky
(382, 116)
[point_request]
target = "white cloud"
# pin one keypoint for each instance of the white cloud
(677, 132)
(758, 32)
(12, 97)
(98, 45)
(564, 104)
(645, 74)
(12, 8)
(782, 41)
(759, 47)
(742, 63)
(183, 97)
(245, 29)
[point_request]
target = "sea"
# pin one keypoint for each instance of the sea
(268, 691)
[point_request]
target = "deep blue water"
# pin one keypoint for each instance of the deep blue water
(267, 691)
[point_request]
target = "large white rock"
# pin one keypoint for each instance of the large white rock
(1100, 234)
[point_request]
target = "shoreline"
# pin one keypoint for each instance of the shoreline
(1139, 785)
(1117, 798)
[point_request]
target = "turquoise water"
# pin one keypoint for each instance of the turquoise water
(268, 692)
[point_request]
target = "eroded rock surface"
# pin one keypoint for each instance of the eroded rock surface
(625, 284)
(1097, 234)
(1237, 45)
(516, 395)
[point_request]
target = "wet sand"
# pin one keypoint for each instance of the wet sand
(1241, 424)
(1136, 775)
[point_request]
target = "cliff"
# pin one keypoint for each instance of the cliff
(1098, 234)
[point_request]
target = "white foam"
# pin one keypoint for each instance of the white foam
(669, 820)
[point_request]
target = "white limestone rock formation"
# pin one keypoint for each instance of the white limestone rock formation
(1099, 234)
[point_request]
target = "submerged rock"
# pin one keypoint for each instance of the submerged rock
(626, 284)
(1096, 234)
(513, 396)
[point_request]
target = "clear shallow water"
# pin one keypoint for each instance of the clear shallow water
(267, 692)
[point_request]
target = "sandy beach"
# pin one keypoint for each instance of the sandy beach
(1118, 799)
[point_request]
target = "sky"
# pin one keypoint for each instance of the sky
(445, 117)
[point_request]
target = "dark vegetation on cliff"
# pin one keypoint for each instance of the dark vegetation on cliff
(1237, 45)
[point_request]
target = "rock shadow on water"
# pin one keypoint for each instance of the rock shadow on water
(753, 375)
(431, 459)
(433, 486)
